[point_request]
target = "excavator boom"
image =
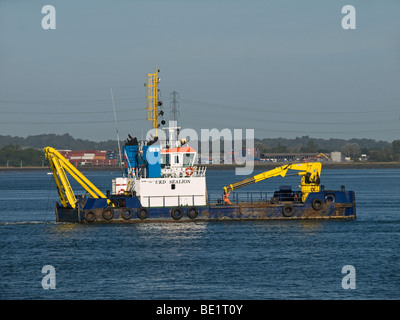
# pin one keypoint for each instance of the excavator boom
(310, 173)
(58, 166)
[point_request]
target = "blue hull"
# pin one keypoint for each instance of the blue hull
(319, 205)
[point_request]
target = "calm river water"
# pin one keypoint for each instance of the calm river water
(201, 260)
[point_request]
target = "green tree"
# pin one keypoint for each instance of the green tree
(396, 150)
(12, 155)
(279, 149)
(311, 147)
(352, 150)
(380, 155)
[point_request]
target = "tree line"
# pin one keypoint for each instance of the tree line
(380, 151)
(62, 142)
(14, 156)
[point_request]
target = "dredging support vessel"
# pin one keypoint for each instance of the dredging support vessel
(162, 182)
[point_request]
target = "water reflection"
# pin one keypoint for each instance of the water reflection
(311, 226)
(172, 230)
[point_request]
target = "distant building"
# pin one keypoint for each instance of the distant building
(251, 154)
(336, 156)
(290, 157)
(91, 157)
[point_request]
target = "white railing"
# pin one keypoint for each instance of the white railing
(182, 172)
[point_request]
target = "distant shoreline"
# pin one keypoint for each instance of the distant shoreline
(327, 165)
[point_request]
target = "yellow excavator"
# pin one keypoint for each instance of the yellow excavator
(310, 178)
(58, 166)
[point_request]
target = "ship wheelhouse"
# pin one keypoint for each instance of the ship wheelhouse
(162, 172)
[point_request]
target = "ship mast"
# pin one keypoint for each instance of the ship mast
(152, 98)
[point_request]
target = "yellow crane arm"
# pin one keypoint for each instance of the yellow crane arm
(58, 166)
(265, 175)
(323, 155)
(310, 173)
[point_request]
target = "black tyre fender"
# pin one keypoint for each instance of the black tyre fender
(287, 210)
(176, 213)
(90, 216)
(192, 213)
(317, 204)
(142, 213)
(126, 213)
(108, 213)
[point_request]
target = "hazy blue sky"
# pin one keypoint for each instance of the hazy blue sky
(283, 68)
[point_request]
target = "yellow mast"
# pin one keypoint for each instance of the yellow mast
(152, 96)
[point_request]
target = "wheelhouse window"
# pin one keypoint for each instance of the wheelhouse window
(188, 159)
